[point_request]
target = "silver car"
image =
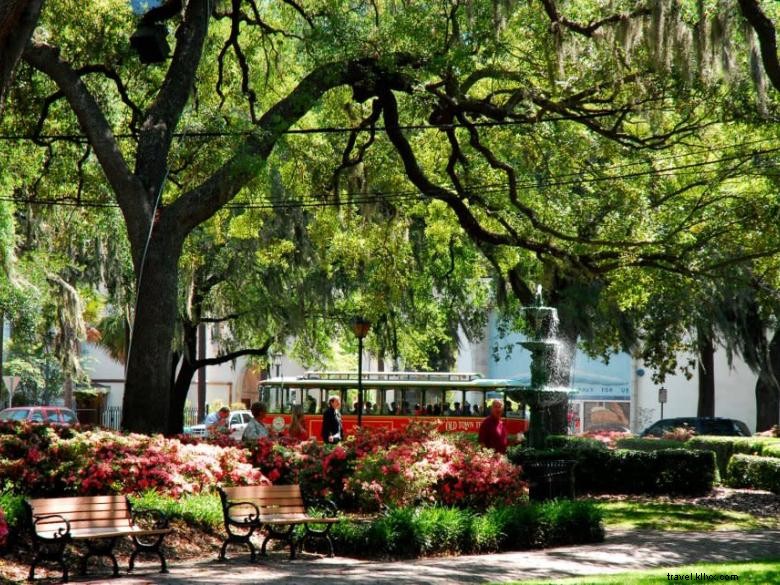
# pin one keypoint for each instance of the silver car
(236, 423)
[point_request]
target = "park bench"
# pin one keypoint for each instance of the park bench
(275, 509)
(96, 521)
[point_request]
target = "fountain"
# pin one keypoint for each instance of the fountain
(547, 402)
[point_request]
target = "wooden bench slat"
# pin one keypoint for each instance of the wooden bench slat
(262, 491)
(76, 507)
(78, 501)
(85, 517)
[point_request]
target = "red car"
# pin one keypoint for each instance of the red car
(54, 415)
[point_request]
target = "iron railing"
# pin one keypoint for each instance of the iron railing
(112, 417)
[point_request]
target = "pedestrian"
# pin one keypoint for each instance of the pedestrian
(217, 422)
(297, 427)
(256, 428)
(492, 431)
(332, 429)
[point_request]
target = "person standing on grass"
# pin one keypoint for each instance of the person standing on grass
(332, 429)
(492, 431)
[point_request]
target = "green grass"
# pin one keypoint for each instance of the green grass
(678, 517)
(203, 510)
(762, 572)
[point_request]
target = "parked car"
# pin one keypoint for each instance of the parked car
(54, 415)
(237, 423)
(727, 427)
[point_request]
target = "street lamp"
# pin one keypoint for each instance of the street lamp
(360, 327)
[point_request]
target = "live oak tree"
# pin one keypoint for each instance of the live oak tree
(510, 93)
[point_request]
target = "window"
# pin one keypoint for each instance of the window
(69, 417)
(52, 416)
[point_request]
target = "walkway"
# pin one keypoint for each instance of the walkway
(622, 551)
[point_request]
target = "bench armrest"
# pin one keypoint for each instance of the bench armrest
(59, 533)
(251, 518)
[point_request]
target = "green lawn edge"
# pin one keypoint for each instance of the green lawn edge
(758, 571)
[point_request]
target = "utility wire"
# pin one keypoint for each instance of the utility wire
(561, 180)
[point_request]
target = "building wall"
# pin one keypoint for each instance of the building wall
(734, 393)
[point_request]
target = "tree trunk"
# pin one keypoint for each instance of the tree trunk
(768, 390)
(147, 399)
(17, 22)
(183, 381)
(706, 375)
(202, 371)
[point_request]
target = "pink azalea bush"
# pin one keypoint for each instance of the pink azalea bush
(609, 438)
(372, 469)
(43, 460)
(383, 467)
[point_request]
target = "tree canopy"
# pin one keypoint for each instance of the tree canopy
(290, 163)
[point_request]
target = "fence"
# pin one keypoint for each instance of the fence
(112, 417)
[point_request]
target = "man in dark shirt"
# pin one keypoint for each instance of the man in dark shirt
(492, 431)
(332, 429)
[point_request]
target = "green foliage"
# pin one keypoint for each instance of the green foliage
(771, 450)
(725, 447)
(667, 471)
(753, 471)
(12, 505)
(486, 534)
(572, 442)
(641, 444)
(203, 510)
(411, 532)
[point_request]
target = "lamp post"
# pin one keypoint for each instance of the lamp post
(360, 327)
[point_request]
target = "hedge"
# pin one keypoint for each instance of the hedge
(725, 447)
(414, 532)
(753, 471)
(572, 442)
(642, 444)
(667, 471)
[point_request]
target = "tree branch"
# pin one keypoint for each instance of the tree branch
(128, 189)
(198, 205)
(229, 357)
(765, 30)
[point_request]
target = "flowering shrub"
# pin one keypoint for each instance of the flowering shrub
(3, 529)
(41, 460)
(608, 438)
(391, 467)
(371, 469)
